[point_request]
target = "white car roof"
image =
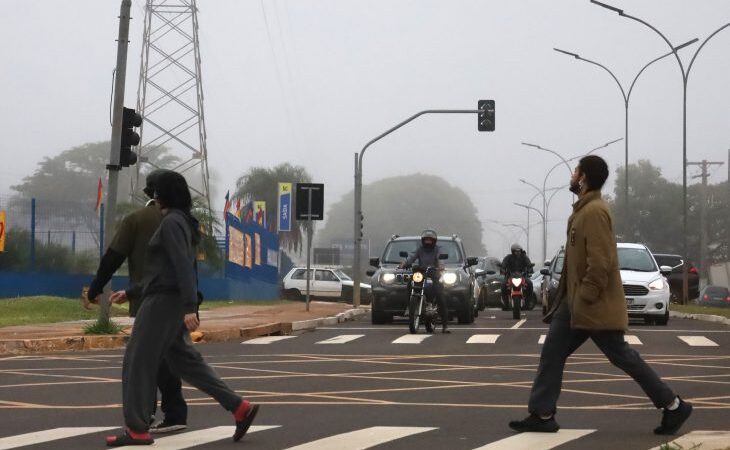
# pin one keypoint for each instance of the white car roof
(630, 245)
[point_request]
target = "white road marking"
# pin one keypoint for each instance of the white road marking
(698, 341)
(266, 339)
(542, 339)
(38, 437)
(632, 340)
(700, 439)
(199, 437)
(519, 324)
(483, 339)
(341, 339)
(411, 339)
(362, 439)
(532, 441)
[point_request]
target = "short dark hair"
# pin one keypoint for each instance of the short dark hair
(596, 171)
(171, 190)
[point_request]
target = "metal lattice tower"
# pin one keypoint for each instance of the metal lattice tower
(170, 95)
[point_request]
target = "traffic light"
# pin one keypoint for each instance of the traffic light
(130, 119)
(362, 218)
(485, 120)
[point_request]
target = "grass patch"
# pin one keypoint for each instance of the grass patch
(214, 304)
(699, 309)
(103, 327)
(38, 310)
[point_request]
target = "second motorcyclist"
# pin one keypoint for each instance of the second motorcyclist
(427, 255)
(516, 261)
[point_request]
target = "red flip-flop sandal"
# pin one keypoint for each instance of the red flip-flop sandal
(129, 438)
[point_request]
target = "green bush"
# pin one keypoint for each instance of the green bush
(49, 257)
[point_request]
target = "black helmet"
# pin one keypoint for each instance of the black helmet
(429, 234)
(516, 248)
(152, 179)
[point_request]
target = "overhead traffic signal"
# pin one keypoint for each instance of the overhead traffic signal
(130, 120)
(362, 218)
(485, 119)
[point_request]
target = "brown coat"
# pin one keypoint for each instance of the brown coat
(591, 281)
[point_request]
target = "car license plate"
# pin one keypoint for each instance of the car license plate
(629, 301)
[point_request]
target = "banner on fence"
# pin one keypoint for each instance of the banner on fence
(2, 231)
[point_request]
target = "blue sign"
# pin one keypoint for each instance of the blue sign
(284, 210)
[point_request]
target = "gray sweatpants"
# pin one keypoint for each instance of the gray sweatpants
(562, 341)
(159, 332)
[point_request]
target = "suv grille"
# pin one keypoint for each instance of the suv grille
(634, 290)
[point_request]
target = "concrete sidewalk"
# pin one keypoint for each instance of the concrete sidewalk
(217, 325)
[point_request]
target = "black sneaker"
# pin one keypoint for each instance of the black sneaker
(167, 427)
(534, 423)
(672, 420)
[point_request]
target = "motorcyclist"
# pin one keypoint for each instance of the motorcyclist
(516, 261)
(427, 255)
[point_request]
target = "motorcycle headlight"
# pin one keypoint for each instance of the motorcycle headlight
(657, 285)
(417, 277)
(516, 282)
(387, 278)
(450, 278)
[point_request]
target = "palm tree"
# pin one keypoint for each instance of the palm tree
(262, 184)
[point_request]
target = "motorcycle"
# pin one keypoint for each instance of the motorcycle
(422, 305)
(517, 283)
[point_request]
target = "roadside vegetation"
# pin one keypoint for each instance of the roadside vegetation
(699, 309)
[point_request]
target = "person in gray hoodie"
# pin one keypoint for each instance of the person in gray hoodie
(165, 319)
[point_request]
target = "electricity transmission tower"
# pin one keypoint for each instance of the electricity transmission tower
(170, 96)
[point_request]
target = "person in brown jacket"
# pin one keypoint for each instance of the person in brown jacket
(590, 303)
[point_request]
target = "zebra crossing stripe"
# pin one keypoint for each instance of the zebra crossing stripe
(700, 439)
(531, 441)
(411, 339)
(698, 341)
(483, 339)
(200, 437)
(632, 340)
(362, 439)
(266, 339)
(341, 339)
(53, 434)
(542, 339)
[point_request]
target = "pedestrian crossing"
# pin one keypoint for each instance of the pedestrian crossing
(484, 339)
(359, 439)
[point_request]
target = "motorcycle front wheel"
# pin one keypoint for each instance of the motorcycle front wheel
(516, 308)
(413, 316)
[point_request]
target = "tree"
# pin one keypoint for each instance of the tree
(406, 205)
(262, 184)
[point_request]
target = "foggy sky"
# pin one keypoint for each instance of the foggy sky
(327, 76)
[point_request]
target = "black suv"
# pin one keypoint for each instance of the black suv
(551, 279)
(489, 282)
(676, 262)
(389, 291)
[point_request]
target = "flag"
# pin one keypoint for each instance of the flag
(261, 213)
(238, 208)
(249, 211)
(99, 194)
(228, 205)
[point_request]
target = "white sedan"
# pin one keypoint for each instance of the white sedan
(323, 283)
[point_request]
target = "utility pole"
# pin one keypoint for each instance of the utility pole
(704, 164)
(114, 167)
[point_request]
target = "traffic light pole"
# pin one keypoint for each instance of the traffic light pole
(358, 194)
(113, 166)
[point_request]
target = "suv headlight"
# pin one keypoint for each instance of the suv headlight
(387, 278)
(450, 278)
(657, 285)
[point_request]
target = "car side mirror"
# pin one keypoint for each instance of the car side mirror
(545, 272)
(403, 254)
(470, 261)
(370, 272)
(665, 270)
(375, 262)
(547, 263)
(480, 272)
(444, 256)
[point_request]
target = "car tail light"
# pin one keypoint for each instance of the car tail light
(705, 297)
(693, 269)
(728, 299)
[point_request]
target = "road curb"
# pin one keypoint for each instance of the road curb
(703, 317)
(100, 342)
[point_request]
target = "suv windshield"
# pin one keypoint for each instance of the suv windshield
(391, 255)
(342, 275)
(636, 259)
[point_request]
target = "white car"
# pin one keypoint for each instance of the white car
(323, 283)
(645, 285)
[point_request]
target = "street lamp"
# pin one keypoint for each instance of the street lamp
(553, 152)
(685, 77)
(626, 96)
(528, 208)
(544, 223)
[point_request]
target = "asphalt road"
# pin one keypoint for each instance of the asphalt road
(355, 385)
